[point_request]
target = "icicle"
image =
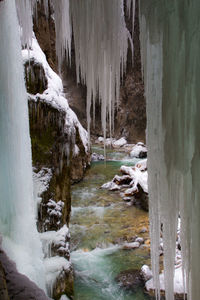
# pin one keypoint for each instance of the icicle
(63, 29)
(101, 44)
(24, 12)
(170, 42)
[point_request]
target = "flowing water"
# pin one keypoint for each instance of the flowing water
(100, 223)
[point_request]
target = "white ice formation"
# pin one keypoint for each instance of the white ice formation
(170, 42)
(17, 209)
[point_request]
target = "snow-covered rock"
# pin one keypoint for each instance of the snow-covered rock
(97, 157)
(120, 143)
(133, 184)
(146, 273)
(111, 186)
(139, 150)
(54, 95)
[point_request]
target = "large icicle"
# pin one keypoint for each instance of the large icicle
(63, 29)
(25, 10)
(17, 220)
(170, 40)
(101, 44)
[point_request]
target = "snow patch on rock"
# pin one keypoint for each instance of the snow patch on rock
(54, 95)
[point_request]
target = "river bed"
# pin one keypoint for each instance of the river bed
(100, 223)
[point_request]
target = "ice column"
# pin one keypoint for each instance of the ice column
(170, 42)
(17, 220)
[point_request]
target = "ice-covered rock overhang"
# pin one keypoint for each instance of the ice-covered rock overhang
(170, 42)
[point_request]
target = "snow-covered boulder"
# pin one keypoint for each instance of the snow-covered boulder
(146, 273)
(97, 157)
(120, 143)
(111, 186)
(139, 150)
(133, 184)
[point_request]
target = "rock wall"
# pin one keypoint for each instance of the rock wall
(130, 120)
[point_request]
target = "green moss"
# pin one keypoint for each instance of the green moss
(42, 145)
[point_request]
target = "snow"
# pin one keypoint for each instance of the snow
(137, 149)
(146, 272)
(111, 186)
(64, 297)
(97, 157)
(55, 208)
(57, 238)
(178, 282)
(53, 95)
(41, 181)
(120, 143)
(138, 177)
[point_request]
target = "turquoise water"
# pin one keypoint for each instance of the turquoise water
(100, 223)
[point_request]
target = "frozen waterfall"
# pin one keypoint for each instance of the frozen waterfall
(170, 40)
(17, 211)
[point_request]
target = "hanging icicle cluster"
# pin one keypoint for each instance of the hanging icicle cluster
(101, 43)
(170, 40)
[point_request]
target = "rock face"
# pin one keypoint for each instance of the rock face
(130, 279)
(130, 118)
(3, 285)
(15, 286)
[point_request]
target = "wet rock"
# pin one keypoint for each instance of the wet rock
(142, 198)
(3, 285)
(127, 199)
(18, 286)
(126, 179)
(130, 279)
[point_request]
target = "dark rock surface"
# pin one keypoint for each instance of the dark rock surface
(16, 286)
(130, 120)
(130, 279)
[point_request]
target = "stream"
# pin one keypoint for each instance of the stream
(100, 223)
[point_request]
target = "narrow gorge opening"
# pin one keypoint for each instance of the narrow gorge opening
(95, 37)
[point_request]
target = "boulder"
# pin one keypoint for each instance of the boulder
(130, 279)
